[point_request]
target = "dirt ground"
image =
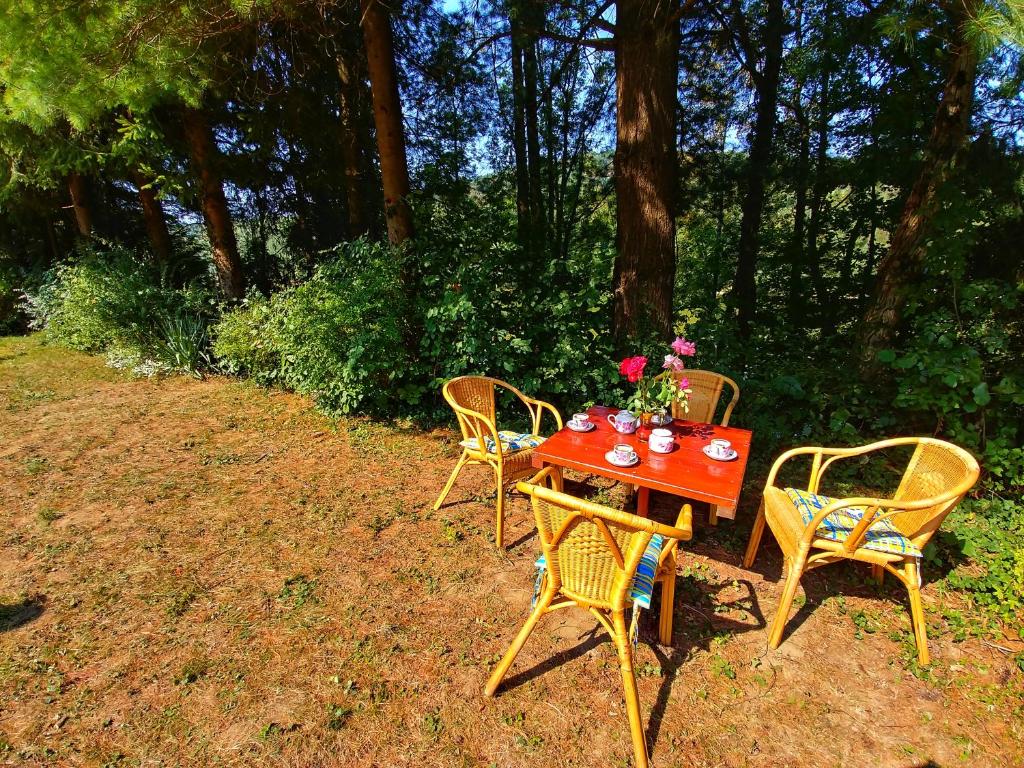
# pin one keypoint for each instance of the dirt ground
(208, 573)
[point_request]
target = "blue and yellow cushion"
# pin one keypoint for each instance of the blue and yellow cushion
(511, 442)
(882, 536)
(643, 580)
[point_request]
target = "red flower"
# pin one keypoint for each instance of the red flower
(633, 368)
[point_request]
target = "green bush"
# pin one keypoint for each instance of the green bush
(245, 339)
(111, 301)
(337, 337)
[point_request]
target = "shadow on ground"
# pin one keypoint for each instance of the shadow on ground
(18, 614)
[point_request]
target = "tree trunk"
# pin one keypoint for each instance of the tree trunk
(153, 216)
(902, 264)
(523, 213)
(214, 205)
(534, 13)
(526, 19)
(796, 244)
(646, 67)
(387, 116)
(351, 147)
(818, 203)
(766, 84)
(869, 259)
(79, 190)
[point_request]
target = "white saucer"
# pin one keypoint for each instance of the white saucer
(610, 458)
(570, 424)
(732, 454)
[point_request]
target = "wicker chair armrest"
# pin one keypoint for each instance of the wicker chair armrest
(472, 419)
(537, 408)
(684, 524)
(783, 458)
(549, 477)
(683, 532)
(818, 468)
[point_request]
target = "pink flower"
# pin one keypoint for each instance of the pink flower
(633, 368)
(683, 383)
(683, 347)
(673, 363)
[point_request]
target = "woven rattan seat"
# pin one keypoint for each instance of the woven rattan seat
(592, 554)
(473, 400)
(934, 482)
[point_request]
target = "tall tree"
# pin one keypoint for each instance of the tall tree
(153, 217)
(765, 81)
(80, 203)
(526, 18)
(646, 69)
(387, 117)
(213, 203)
(904, 260)
(351, 146)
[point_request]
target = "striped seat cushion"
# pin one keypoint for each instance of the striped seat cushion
(882, 536)
(511, 442)
(643, 580)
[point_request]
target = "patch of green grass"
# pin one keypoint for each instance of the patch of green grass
(514, 721)
(298, 590)
(270, 730)
(865, 624)
(432, 724)
(529, 743)
(180, 601)
(383, 520)
(337, 716)
(35, 465)
(723, 667)
(429, 581)
(48, 515)
(194, 670)
(647, 669)
(450, 532)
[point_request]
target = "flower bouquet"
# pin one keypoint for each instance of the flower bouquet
(657, 392)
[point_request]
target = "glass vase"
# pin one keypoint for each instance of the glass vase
(643, 431)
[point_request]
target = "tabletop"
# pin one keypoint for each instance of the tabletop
(686, 471)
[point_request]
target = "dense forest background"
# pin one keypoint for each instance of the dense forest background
(360, 200)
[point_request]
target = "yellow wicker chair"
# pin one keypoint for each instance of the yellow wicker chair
(706, 391)
(473, 400)
(592, 553)
(937, 477)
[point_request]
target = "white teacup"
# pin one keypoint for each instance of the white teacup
(624, 453)
(581, 420)
(661, 440)
(720, 448)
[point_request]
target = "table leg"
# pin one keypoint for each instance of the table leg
(718, 511)
(642, 497)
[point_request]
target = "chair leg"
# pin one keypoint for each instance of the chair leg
(499, 528)
(795, 567)
(451, 481)
(878, 573)
(629, 689)
(668, 595)
(755, 537)
(517, 645)
(713, 514)
(917, 613)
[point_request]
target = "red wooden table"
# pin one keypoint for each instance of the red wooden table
(685, 472)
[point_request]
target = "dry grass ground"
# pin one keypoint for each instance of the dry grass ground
(206, 573)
